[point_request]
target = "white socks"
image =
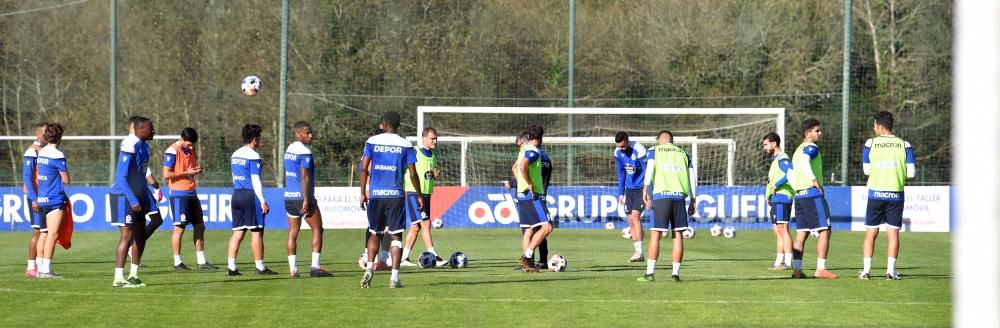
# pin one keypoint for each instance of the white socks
(406, 253)
(201, 258)
(867, 265)
(677, 268)
(31, 265)
(291, 264)
(891, 268)
(638, 246)
(820, 264)
(395, 274)
(45, 263)
(797, 265)
(778, 259)
(788, 259)
(119, 274)
(529, 253)
(315, 260)
(231, 264)
(431, 249)
(650, 266)
(177, 260)
(133, 271)
(260, 265)
(370, 266)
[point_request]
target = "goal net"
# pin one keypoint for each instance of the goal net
(476, 144)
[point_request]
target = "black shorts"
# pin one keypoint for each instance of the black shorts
(186, 209)
(386, 213)
(247, 211)
(781, 213)
(888, 212)
(414, 214)
(669, 214)
(43, 212)
(633, 201)
(121, 211)
(292, 207)
(812, 213)
(37, 221)
(530, 212)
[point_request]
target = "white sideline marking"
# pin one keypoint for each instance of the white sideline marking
(460, 299)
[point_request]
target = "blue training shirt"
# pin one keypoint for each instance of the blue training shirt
(245, 164)
(631, 165)
(390, 155)
(546, 169)
(130, 175)
(28, 171)
(298, 157)
(51, 162)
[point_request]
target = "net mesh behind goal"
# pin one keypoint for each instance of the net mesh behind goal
(579, 163)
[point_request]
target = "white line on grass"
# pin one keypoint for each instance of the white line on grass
(459, 299)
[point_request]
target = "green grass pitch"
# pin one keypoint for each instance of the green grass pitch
(725, 283)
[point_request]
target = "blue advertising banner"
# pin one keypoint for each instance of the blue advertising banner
(593, 207)
(90, 208)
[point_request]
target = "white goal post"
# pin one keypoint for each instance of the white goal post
(609, 141)
(778, 112)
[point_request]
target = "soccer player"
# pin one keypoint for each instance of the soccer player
(385, 158)
(427, 171)
(155, 196)
(888, 161)
(543, 247)
(180, 167)
(530, 206)
(629, 160)
(668, 171)
(300, 199)
(53, 175)
(812, 214)
(29, 176)
(249, 205)
(779, 197)
(130, 201)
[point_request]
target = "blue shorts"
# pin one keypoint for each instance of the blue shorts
(781, 213)
(669, 214)
(154, 207)
(121, 210)
(37, 222)
(633, 201)
(293, 206)
(43, 212)
(888, 212)
(386, 213)
(247, 211)
(414, 214)
(812, 213)
(186, 209)
(530, 212)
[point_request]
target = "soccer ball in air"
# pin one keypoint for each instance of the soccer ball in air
(609, 226)
(428, 260)
(437, 223)
(251, 85)
(458, 260)
(557, 263)
(729, 232)
(688, 233)
(627, 233)
(716, 230)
